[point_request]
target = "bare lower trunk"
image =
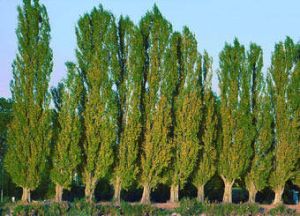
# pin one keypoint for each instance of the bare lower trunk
(117, 191)
(174, 193)
(252, 193)
(26, 195)
(278, 196)
(227, 196)
(58, 193)
(90, 186)
(146, 195)
(200, 193)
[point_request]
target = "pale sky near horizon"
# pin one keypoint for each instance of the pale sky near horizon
(213, 21)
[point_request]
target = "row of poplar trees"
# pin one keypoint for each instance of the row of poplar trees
(138, 107)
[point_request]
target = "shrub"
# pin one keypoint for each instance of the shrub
(282, 210)
(190, 207)
(231, 209)
(82, 208)
(127, 209)
(53, 209)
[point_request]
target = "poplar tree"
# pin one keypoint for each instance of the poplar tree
(159, 85)
(67, 153)
(257, 177)
(206, 163)
(131, 57)
(187, 114)
(258, 174)
(29, 133)
(235, 149)
(294, 101)
(282, 73)
(97, 56)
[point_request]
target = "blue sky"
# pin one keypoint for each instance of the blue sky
(213, 21)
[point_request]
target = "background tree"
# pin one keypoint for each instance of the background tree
(5, 119)
(235, 148)
(67, 153)
(187, 114)
(132, 58)
(97, 56)
(57, 99)
(159, 84)
(283, 71)
(29, 133)
(206, 163)
(258, 174)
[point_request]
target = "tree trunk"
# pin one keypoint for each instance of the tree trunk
(174, 193)
(58, 193)
(146, 195)
(227, 196)
(200, 193)
(117, 191)
(26, 195)
(278, 196)
(252, 193)
(90, 186)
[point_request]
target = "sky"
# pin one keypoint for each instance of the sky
(213, 22)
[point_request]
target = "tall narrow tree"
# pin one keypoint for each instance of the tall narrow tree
(283, 71)
(97, 55)
(206, 163)
(187, 114)
(29, 133)
(257, 177)
(131, 56)
(67, 153)
(294, 101)
(235, 148)
(159, 84)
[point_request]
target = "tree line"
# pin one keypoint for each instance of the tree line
(137, 108)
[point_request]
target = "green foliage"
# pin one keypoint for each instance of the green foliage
(67, 151)
(158, 90)
(136, 210)
(29, 133)
(232, 209)
(187, 110)
(5, 119)
(131, 55)
(40, 209)
(294, 102)
(193, 207)
(140, 101)
(262, 119)
(282, 77)
(83, 208)
(190, 207)
(235, 150)
(187, 207)
(206, 165)
(282, 210)
(98, 63)
(296, 180)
